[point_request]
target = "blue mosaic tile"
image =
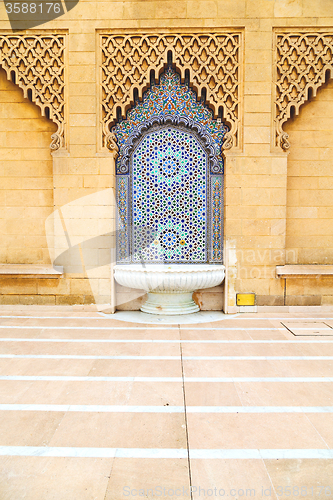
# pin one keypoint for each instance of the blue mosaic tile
(169, 196)
(169, 178)
(170, 99)
(123, 244)
(216, 218)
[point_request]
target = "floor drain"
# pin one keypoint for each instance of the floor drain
(310, 328)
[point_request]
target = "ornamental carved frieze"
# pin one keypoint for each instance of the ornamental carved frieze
(303, 63)
(212, 61)
(36, 63)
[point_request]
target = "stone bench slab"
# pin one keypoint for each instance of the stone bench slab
(295, 271)
(31, 270)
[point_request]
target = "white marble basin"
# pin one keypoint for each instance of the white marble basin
(169, 287)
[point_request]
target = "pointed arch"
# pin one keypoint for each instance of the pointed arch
(172, 102)
(169, 146)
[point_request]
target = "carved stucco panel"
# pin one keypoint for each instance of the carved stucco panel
(303, 63)
(38, 63)
(213, 61)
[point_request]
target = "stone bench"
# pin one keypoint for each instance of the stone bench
(30, 271)
(305, 271)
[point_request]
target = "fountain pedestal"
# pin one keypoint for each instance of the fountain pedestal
(169, 287)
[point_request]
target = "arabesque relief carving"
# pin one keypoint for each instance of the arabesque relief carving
(39, 66)
(303, 61)
(213, 62)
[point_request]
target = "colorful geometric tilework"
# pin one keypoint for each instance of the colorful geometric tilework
(122, 205)
(170, 188)
(170, 97)
(169, 197)
(216, 217)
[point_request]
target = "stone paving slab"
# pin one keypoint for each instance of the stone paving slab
(115, 428)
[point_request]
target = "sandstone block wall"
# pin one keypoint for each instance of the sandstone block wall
(26, 184)
(277, 203)
(309, 231)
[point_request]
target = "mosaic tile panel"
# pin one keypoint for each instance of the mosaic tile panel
(169, 198)
(123, 247)
(216, 218)
(170, 182)
(170, 98)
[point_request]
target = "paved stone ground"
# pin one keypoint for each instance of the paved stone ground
(94, 409)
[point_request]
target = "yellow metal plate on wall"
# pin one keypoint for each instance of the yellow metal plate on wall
(245, 299)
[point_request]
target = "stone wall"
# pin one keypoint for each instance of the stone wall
(26, 184)
(261, 220)
(309, 197)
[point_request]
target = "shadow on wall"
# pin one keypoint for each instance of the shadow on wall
(68, 229)
(81, 237)
(30, 14)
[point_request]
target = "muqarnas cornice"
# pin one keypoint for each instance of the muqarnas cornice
(303, 64)
(212, 61)
(36, 63)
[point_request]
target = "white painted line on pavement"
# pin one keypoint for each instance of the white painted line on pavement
(162, 379)
(93, 408)
(273, 454)
(79, 356)
(47, 327)
(165, 409)
(43, 451)
(168, 358)
(176, 341)
(236, 316)
(174, 453)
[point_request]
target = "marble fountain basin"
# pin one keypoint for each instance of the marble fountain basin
(169, 287)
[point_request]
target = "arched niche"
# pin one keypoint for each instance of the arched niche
(170, 178)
